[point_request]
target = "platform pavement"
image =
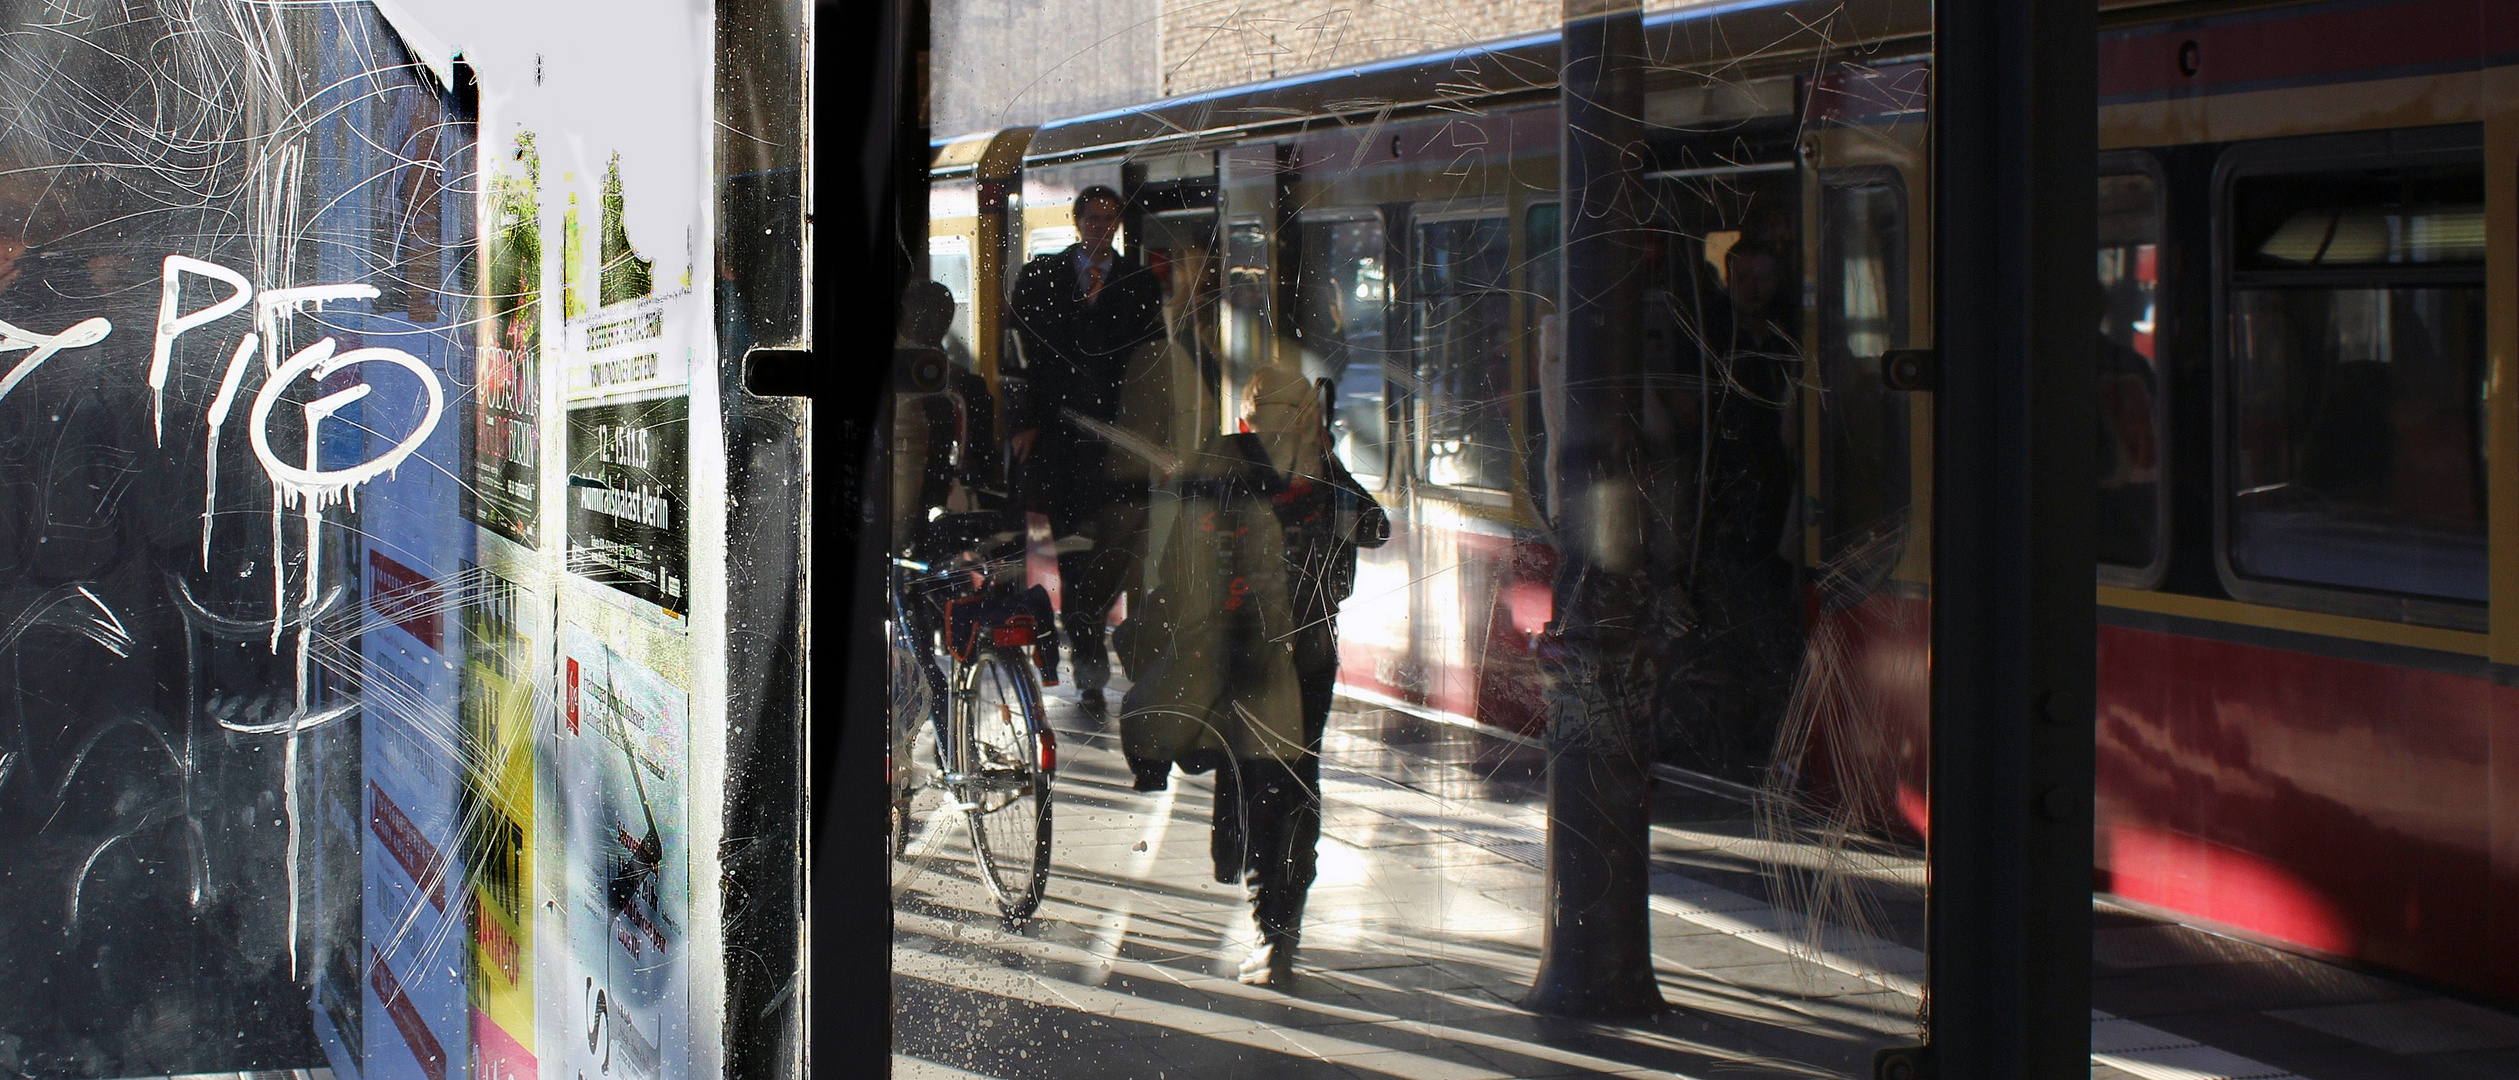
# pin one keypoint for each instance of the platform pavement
(1424, 929)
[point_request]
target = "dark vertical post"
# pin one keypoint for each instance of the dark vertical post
(2015, 138)
(1596, 952)
(866, 138)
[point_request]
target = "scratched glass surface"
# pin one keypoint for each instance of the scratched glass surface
(374, 674)
(1405, 560)
(235, 279)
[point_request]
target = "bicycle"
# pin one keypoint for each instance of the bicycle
(982, 698)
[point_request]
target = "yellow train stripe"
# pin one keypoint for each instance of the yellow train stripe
(2305, 622)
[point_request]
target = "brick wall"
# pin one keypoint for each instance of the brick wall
(1209, 44)
(998, 63)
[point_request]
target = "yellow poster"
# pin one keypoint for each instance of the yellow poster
(498, 809)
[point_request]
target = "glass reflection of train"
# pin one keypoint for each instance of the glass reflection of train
(2309, 411)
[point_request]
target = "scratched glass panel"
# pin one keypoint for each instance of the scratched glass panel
(236, 277)
(381, 698)
(1405, 558)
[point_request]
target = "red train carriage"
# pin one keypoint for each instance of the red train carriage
(2305, 605)
(2310, 413)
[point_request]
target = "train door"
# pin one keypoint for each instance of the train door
(1467, 459)
(1865, 528)
(1250, 184)
(1342, 297)
(1864, 471)
(1345, 330)
(1723, 343)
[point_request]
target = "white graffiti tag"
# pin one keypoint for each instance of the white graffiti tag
(328, 485)
(270, 310)
(308, 486)
(84, 334)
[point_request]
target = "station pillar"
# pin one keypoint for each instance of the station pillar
(1603, 647)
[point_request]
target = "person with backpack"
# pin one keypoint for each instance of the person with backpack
(1261, 556)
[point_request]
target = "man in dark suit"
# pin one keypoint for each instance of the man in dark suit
(1081, 314)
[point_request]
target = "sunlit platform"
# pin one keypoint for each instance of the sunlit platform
(1424, 931)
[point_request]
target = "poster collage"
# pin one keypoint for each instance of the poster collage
(528, 843)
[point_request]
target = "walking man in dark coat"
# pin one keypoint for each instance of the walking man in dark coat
(1081, 313)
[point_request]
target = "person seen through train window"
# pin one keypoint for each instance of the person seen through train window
(1081, 313)
(2129, 455)
(1250, 583)
(1757, 274)
(1727, 576)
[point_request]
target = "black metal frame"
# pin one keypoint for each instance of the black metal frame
(2015, 142)
(869, 147)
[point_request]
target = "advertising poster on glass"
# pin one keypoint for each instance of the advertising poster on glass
(629, 499)
(622, 875)
(412, 552)
(502, 667)
(507, 439)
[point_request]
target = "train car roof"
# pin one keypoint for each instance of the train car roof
(1714, 40)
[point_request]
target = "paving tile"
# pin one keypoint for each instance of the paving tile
(1535, 1063)
(2500, 1064)
(1204, 1059)
(1435, 854)
(2427, 1025)
(2197, 1063)
(1393, 1063)
(1697, 895)
(1791, 979)
(1886, 1012)
(905, 1067)
(2305, 1052)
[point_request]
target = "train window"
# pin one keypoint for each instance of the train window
(1864, 477)
(1246, 303)
(1342, 289)
(949, 263)
(2133, 422)
(2355, 376)
(1464, 357)
(1049, 240)
(1541, 270)
(2405, 217)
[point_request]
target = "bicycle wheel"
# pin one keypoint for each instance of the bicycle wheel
(1001, 779)
(917, 691)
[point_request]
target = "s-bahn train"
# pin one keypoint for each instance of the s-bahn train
(2308, 500)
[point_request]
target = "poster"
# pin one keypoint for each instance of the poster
(415, 954)
(629, 498)
(593, 886)
(507, 424)
(630, 345)
(411, 550)
(498, 814)
(620, 753)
